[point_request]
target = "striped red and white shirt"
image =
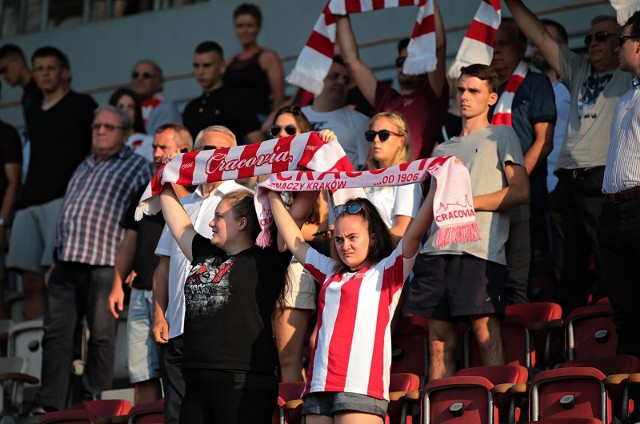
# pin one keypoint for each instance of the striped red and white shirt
(353, 351)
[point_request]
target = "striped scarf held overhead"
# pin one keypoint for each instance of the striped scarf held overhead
(453, 209)
(477, 44)
(502, 111)
(334, 173)
(316, 56)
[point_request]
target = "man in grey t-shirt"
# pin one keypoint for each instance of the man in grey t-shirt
(595, 85)
(466, 281)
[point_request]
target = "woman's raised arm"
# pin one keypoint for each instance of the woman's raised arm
(177, 220)
(288, 229)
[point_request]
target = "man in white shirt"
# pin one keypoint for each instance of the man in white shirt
(619, 230)
(328, 111)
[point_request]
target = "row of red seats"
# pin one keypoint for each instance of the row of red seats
(112, 411)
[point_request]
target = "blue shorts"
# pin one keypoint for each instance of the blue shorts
(144, 354)
(330, 403)
(453, 287)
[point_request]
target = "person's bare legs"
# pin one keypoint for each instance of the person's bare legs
(290, 326)
(318, 419)
(147, 391)
(443, 338)
(34, 295)
(486, 328)
(357, 418)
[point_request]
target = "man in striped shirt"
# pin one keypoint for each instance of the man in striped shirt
(87, 240)
(619, 229)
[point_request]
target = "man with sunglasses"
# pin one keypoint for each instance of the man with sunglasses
(87, 238)
(533, 117)
(173, 267)
(218, 105)
(328, 111)
(595, 84)
(619, 231)
(59, 129)
(147, 81)
(422, 99)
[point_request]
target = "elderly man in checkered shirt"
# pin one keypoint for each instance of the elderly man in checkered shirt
(87, 240)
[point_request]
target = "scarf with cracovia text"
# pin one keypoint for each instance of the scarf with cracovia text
(316, 56)
(452, 204)
(334, 172)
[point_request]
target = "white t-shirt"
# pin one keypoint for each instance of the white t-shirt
(201, 211)
(397, 200)
(349, 125)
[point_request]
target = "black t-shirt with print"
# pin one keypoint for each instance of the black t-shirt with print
(229, 303)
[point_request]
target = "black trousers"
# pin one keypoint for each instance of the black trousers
(221, 397)
(172, 380)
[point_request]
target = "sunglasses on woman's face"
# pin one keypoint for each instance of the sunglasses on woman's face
(383, 135)
(289, 129)
(350, 208)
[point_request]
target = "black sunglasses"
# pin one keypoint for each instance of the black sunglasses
(599, 36)
(109, 127)
(289, 129)
(621, 40)
(350, 208)
(145, 75)
(383, 135)
(400, 61)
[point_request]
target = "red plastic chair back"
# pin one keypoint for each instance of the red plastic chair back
(590, 333)
(537, 312)
(410, 346)
(499, 374)
(569, 393)
(458, 399)
(105, 407)
(147, 413)
(516, 339)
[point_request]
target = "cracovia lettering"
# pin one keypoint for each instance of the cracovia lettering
(218, 163)
(455, 214)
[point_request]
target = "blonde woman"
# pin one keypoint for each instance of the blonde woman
(390, 144)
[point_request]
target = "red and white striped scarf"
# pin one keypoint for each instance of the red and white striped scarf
(452, 204)
(477, 44)
(502, 111)
(335, 173)
(316, 56)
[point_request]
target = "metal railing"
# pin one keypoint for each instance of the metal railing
(27, 16)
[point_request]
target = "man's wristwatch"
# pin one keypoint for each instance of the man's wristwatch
(3, 222)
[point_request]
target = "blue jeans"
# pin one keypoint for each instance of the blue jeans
(619, 237)
(143, 353)
(76, 290)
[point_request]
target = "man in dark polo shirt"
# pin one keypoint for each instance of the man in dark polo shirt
(217, 105)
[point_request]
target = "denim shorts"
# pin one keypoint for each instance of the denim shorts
(329, 403)
(144, 353)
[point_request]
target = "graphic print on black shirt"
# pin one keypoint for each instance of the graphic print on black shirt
(207, 288)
